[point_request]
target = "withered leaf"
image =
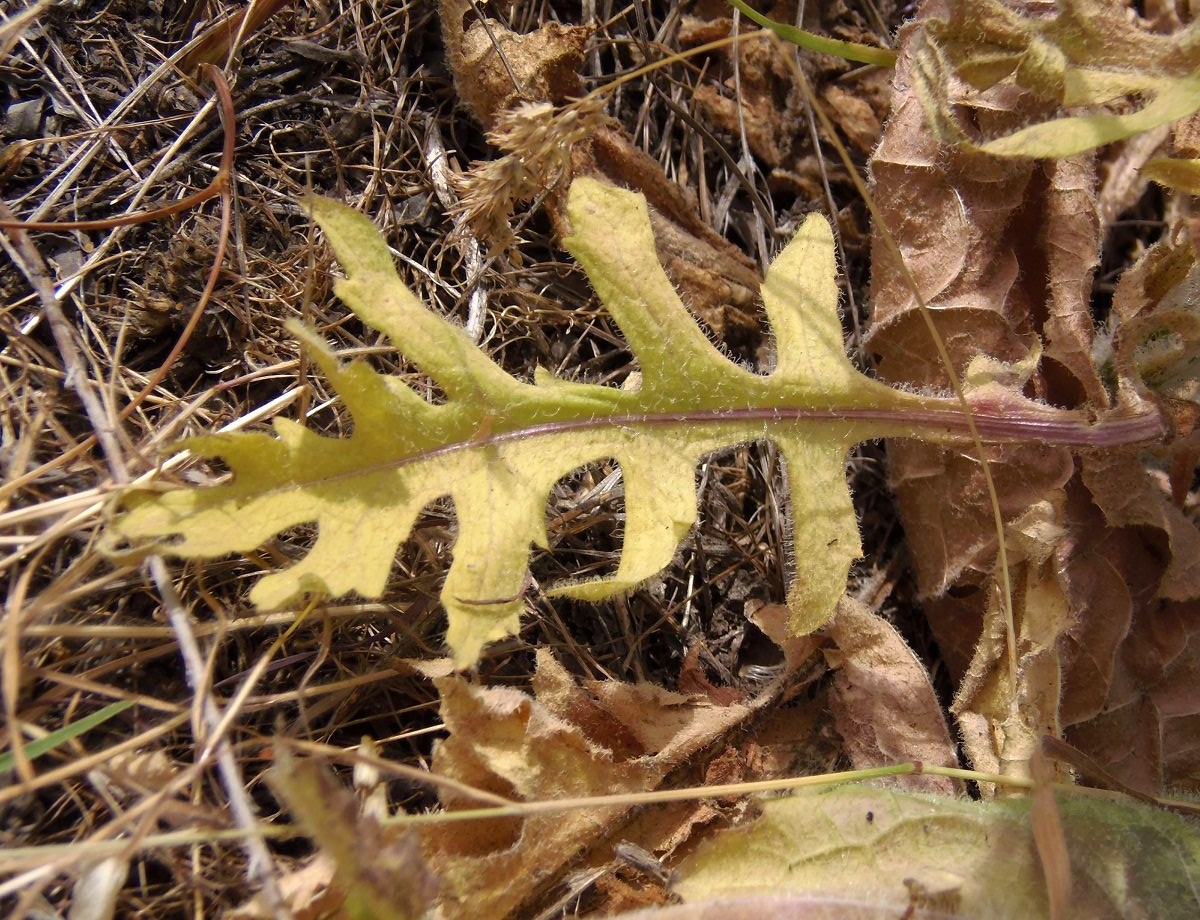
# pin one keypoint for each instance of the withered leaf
(628, 739)
(885, 708)
(380, 872)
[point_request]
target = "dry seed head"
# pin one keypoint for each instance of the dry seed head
(537, 139)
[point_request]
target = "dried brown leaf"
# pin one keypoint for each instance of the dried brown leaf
(1156, 341)
(1003, 252)
(1072, 252)
(1161, 270)
(762, 102)
(716, 279)
(379, 871)
(950, 213)
(1127, 741)
(693, 680)
(1129, 497)
(884, 706)
(1096, 572)
(1129, 660)
(773, 620)
(308, 892)
(1002, 731)
(1146, 731)
(855, 115)
(944, 505)
(503, 741)
(496, 69)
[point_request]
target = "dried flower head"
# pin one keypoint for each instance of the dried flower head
(537, 139)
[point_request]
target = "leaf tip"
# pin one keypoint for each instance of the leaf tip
(276, 591)
(471, 627)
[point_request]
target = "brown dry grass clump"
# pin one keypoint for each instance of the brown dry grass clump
(178, 324)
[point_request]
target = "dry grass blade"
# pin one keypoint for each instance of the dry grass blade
(27, 257)
(12, 27)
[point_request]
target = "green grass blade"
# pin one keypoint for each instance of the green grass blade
(56, 738)
(851, 51)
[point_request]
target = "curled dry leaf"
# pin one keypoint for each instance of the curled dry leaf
(1133, 569)
(1002, 731)
(1133, 691)
(974, 238)
(566, 741)
(773, 620)
(884, 706)
(1155, 338)
(495, 69)
(1100, 73)
(379, 871)
(1003, 252)
(1129, 497)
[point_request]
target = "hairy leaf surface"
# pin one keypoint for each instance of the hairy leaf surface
(497, 444)
(950, 858)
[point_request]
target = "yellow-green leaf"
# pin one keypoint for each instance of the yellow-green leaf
(884, 848)
(1175, 173)
(497, 445)
(1171, 98)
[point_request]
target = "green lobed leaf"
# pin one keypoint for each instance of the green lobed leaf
(497, 444)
